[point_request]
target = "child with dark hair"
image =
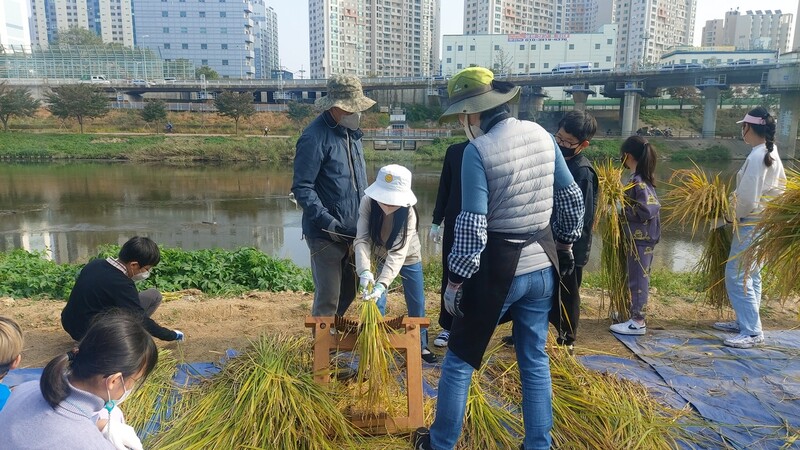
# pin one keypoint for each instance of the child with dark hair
(761, 177)
(62, 409)
(642, 211)
(109, 283)
(387, 228)
(10, 352)
(575, 130)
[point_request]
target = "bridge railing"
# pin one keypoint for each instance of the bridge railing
(406, 133)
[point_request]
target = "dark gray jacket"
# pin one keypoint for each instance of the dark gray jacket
(329, 178)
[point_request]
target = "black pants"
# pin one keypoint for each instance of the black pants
(566, 316)
(445, 318)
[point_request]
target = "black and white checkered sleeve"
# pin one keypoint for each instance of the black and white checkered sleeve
(568, 210)
(470, 240)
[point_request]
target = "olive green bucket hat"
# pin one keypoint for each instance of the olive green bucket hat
(470, 91)
(345, 92)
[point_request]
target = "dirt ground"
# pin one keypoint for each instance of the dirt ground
(213, 325)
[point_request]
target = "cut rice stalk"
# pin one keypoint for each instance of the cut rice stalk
(776, 245)
(152, 400)
(376, 364)
(612, 225)
(264, 398)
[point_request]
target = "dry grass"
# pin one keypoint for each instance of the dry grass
(153, 398)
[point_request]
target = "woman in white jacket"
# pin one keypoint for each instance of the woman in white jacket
(760, 179)
(387, 228)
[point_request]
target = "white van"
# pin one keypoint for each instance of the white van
(99, 79)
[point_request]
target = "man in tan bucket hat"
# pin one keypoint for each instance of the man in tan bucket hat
(329, 181)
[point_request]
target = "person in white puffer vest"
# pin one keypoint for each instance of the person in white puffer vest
(505, 262)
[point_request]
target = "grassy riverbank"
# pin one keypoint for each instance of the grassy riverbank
(230, 272)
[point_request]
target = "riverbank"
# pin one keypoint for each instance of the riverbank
(226, 148)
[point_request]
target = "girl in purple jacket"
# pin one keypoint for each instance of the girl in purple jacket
(644, 228)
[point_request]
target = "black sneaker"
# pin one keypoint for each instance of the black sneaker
(421, 438)
(342, 370)
(508, 341)
(429, 357)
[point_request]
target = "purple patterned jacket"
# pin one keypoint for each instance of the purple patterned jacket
(642, 212)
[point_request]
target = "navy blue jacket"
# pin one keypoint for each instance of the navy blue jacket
(329, 178)
(586, 178)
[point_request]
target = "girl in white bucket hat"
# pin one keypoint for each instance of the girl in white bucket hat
(387, 229)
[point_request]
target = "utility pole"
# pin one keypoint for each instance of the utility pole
(301, 71)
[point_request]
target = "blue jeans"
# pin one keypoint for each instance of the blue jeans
(528, 300)
(744, 291)
(411, 276)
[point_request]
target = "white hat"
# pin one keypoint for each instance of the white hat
(392, 187)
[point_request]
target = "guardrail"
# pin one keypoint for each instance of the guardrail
(405, 133)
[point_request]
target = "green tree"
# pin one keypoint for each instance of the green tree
(298, 111)
(235, 105)
(683, 93)
(16, 102)
(77, 36)
(81, 101)
(210, 73)
(154, 111)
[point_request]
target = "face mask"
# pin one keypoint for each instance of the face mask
(111, 404)
(388, 209)
(567, 152)
(141, 276)
(473, 132)
(351, 121)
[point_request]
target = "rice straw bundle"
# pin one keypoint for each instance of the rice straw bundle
(264, 398)
(699, 203)
(153, 399)
(776, 245)
(376, 364)
(592, 410)
(612, 224)
(490, 419)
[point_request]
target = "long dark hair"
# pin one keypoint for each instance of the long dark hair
(766, 131)
(376, 217)
(645, 155)
(116, 342)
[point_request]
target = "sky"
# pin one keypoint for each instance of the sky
(293, 23)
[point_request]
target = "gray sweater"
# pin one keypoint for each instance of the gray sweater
(28, 422)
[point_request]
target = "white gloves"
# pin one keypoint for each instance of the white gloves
(376, 293)
(364, 280)
(116, 431)
(180, 337)
(435, 234)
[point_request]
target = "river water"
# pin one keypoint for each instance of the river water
(69, 209)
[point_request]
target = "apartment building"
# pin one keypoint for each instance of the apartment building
(515, 16)
(648, 28)
(374, 37)
(529, 53)
(14, 24)
(266, 45)
(753, 30)
(218, 34)
(112, 20)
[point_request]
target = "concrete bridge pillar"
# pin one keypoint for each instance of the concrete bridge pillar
(630, 113)
(788, 121)
(710, 103)
(580, 100)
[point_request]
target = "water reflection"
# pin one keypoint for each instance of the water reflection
(70, 209)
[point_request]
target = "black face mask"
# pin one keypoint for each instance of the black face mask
(567, 151)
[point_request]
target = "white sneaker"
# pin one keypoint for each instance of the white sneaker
(744, 341)
(630, 327)
(442, 339)
(730, 327)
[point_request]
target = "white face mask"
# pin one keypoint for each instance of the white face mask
(141, 276)
(351, 121)
(388, 209)
(111, 404)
